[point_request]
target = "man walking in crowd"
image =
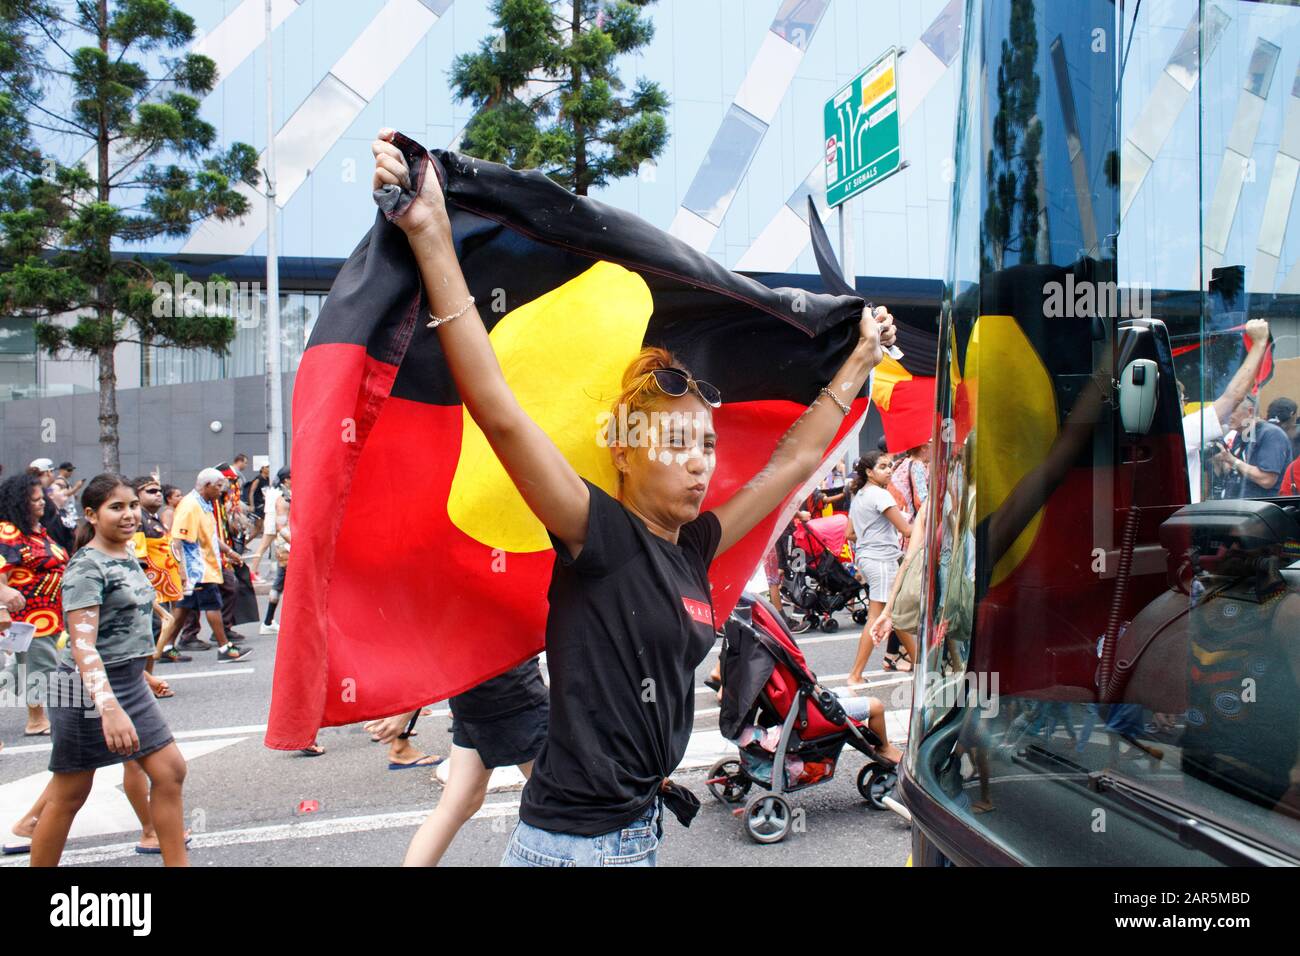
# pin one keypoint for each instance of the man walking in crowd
(153, 547)
(198, 550)
(1205, 424)
(280, 516)
(228, 542)
(1260, 453)
(1283, 412)
(65, 472)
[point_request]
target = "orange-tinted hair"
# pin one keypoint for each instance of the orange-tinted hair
(639, 393)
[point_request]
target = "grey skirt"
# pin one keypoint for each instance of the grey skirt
(77, 732)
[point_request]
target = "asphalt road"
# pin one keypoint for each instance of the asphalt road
(245, 803)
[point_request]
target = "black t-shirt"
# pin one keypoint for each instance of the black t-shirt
(507, 694)
(630, 620)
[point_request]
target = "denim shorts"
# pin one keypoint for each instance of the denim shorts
(634, 845)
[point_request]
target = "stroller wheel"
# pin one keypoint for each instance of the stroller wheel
(875, 783)
(830, 625)
(726, 781)
(860, 616)
(767, 818)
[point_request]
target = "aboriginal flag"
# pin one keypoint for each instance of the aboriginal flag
(417, 571)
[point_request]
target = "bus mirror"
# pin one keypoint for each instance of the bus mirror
(1138, 388)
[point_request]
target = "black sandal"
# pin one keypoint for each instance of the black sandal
(891, 663)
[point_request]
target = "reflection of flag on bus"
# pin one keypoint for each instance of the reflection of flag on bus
(1266, 368)
(417, 570)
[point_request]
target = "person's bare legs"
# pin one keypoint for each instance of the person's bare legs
(218, 627)
(865, 644)
(262, 545)
(401, 751)
(169, 630)
(166, 772)
(37, 722)
(466, 787)
(27, 825)
(136, 787)
(876, 721)
(66, 794)
(909, 645)
(179, 617)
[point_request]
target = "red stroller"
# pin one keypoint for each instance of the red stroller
(817, 581)
(782, 720)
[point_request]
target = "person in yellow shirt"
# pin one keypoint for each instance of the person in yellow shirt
(198, 553)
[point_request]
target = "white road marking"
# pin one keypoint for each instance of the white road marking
(187, 675)
(243, 730)
(303, 830)
(106, 809)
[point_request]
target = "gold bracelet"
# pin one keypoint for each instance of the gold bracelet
(836, 399)
(455, 315)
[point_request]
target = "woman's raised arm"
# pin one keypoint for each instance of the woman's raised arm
(800, 449)
(549, 485)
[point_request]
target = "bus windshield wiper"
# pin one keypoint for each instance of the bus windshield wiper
(1226, 846)
(1189, 826)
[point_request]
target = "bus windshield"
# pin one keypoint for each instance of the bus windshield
(1110, 641)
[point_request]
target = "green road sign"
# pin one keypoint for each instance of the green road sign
(861, 123)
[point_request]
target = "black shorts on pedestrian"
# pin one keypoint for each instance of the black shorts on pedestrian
(204, 597)
(77, 731)
(504, 741)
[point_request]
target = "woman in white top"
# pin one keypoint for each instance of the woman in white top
(876, 523)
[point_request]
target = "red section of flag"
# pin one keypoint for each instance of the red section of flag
(1265, 367)
(388, 605)
(910, 418)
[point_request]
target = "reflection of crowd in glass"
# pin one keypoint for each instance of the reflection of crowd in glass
(1229, 710)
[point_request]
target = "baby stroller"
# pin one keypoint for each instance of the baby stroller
(817, 582)
(782, 719)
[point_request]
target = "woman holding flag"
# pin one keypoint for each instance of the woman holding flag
(630, 610)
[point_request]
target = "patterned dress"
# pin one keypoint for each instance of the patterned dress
(153, 548)
(35, 566)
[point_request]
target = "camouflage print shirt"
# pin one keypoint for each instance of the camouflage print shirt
(124, 597)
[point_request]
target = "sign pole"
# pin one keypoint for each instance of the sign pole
(845, 212)
(274, 386)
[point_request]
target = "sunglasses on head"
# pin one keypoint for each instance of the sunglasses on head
(675, 383)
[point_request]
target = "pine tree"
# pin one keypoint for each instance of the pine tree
(547, 96)
(61, 225)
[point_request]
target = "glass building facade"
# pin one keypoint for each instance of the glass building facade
(746, 79)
